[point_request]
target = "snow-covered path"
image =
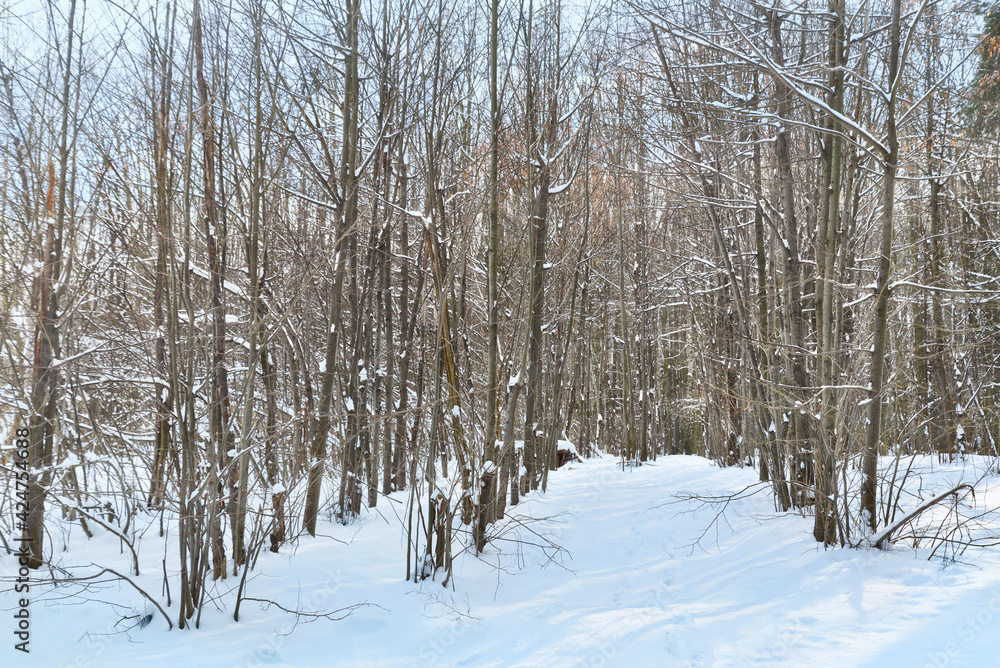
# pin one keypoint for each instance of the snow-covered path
(633, 583)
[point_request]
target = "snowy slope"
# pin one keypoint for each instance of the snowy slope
(613, 571)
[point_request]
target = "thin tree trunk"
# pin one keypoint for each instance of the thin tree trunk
(869, 456)
(825, 525)
(492, 327)
(45, 388)
(164, 396)
(220, 406)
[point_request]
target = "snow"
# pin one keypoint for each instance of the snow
(615, 570)
(226, 285)
(70, 461)
(745, 98)
(563, 444)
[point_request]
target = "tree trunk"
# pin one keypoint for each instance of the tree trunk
(220, 407)
(869, 456)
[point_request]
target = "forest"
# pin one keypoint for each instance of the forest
(271, 265)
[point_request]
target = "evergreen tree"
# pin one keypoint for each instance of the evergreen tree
(984, 97)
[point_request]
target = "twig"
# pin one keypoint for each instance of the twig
(315, 615)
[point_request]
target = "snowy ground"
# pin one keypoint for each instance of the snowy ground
(637, 581)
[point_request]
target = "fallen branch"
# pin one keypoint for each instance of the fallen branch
(882, 537)
(149, 598)
(108, 527)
